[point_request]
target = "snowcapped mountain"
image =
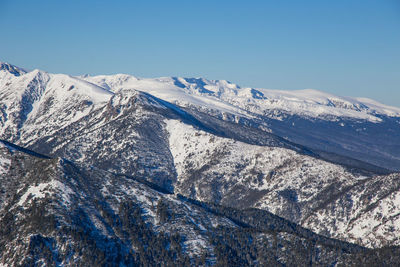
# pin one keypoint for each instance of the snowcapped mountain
(29, 102)
(225, 96)
(355, 127)
(324, 162)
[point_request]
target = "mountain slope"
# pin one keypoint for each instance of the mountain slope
(65, 214)
(137, 135)
(220, 152)
(353, 205)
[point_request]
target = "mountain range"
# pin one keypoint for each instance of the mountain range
(193, 171)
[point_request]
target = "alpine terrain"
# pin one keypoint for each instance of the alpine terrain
(124, 171)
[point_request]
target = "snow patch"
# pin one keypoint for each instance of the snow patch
(40, 191)
(5, 162)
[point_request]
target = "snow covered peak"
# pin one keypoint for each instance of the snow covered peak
(216, 95)
(40, 102)
(228, 97)
(110, 82)
(67, 85)
(14, 70)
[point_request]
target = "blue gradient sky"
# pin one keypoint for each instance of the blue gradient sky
(349, 48)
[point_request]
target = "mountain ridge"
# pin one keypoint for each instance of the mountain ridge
(66, 214)
(284, 113)
(134, 141)
(337, 176)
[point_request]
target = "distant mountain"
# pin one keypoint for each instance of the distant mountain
(359, 128)
(326, 163)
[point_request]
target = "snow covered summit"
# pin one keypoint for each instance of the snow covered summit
(35, 103)
(229, 97)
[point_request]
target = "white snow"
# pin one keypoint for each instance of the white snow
(40, 191)
(37, 191)
(219, 95)
(228, 97)
(45, 102)
(196, 246)
(372, 223)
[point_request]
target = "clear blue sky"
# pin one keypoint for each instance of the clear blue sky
(349, 48)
